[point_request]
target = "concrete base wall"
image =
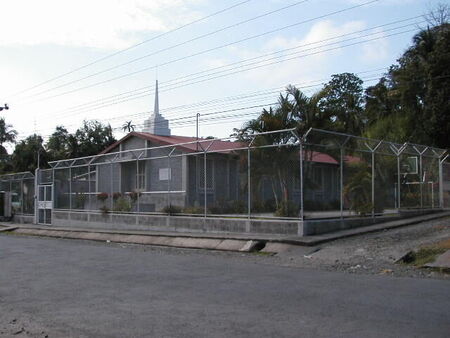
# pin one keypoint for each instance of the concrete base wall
(322, 226)
(23, 219)
(116, 221)
(171, 223)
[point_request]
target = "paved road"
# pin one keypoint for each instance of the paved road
(76, 288)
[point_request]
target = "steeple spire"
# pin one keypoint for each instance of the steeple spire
(156, 109)
(156, 123)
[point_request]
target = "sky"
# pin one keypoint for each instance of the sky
(65, 61)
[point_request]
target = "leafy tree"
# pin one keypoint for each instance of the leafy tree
(413, 99)
(90, 139)
(25, 155)
(128, 126)
(343, 100)
(58, 144)
(93, 137)
(7, 135)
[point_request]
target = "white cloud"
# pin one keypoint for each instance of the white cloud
(376, 51)
(107, 24)
(307, 68)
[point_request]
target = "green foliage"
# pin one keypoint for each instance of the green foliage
(90, 139)
(7, 135)
(287, 209)
(172, 209)
(25, 156)
(122, 204)
(358, 188)
(193, 210)
(228, 207)
(134, 196)
(412, 99)
(343, 101)
(80, 200)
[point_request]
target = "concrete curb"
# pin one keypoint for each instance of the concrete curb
(210, 241)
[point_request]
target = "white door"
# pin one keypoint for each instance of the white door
(45, 204)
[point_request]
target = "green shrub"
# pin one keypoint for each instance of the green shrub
(287, 209)
(122, 205)
(80, 199)
(193, 210)
(172, 209)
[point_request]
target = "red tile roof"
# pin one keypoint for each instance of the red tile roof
(215, 146)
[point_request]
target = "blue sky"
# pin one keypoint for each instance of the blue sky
(40, 40)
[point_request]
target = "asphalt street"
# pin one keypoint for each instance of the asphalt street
(86, 289)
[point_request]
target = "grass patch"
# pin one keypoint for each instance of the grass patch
(423, 256)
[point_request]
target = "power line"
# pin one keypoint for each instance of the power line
(166, 83)
(173, 46)
(133, 46)
(247, 69)
(225, 111)
(302, 85)
(209, 50)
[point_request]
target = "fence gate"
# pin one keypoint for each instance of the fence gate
(45, 204)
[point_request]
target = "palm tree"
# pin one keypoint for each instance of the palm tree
(7, 134)
(128, 126)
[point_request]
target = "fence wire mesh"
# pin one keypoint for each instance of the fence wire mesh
(277, 174)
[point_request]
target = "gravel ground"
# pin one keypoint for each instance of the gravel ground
(377, 253)
(373, 253)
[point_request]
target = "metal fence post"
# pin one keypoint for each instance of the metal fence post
(373, 184)
(398, 183)
(341, 183)
(204, 185)
(421, 181)
(89, 187)
(70, 188)
(111, 202)
(302, 214)
(441, 181)
(168, 182)
(137, 186)
(249, 188)
(21, 195)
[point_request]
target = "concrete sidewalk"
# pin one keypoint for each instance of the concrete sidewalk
(212, 241)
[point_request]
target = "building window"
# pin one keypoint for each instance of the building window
(165, 174)
(209, 175)
(140, 177)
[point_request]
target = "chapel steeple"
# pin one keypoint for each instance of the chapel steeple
(156, 124)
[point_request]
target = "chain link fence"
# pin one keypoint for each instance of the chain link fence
(273, 175)
(22, 189)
